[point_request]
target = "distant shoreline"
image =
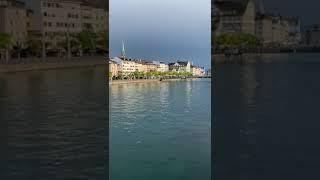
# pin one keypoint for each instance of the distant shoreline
(64, 64)
(247, 57)
(280, 50)
(115, 82)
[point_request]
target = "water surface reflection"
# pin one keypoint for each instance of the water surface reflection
(53, 124)
(266, 118)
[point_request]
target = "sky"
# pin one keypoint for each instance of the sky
(307, 10)
(166, 30)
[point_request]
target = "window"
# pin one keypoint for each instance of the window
(45, 13)
(49, 24)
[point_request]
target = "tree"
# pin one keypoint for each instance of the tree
(18, 47)
(5, 40)
(120, 75)
(103, 41)
(227, 40)
(148, 74)
(74, 44)
(136, 74)
(34, 46)
(87, 40)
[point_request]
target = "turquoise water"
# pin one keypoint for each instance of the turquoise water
(160, 131)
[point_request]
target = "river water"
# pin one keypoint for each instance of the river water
(160, 130)
(266, 123)
(53, 124)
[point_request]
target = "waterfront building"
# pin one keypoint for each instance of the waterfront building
(278, 30)
(235, 15)
(249, 16)
(127, 66)
(198, 71)
(162, 67)
(312, 35)
(151, 67)
(114, 68)
(139, 66)
(294, 30)
(12, 14)
(93, 19)
(55, 20)
(180, 66)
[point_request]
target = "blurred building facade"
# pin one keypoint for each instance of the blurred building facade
(249, 16)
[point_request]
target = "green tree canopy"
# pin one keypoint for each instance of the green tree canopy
(236, 40)
(87, 39)
(4, 40)
(103, 40)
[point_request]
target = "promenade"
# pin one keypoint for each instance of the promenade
(54, 63)
(114, 82)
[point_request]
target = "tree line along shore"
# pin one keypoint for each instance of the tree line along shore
(81, 44)
(150, 75)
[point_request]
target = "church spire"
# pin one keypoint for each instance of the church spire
(123, 51)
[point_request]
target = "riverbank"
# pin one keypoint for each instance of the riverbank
(275, 50)
(113, 82)
(73, 63)
(258, 58)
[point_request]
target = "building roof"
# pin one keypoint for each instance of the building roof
(179, 63)
(112, 61)
(139, 61)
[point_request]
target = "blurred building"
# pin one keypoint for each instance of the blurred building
(180, 66)
(163, 67)
(114, 68)
(13, 15)
(249, 16)
(236, 15)
(93, 19)
(274, 30)
(312, 35)
(55, 19)
(198, 71)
